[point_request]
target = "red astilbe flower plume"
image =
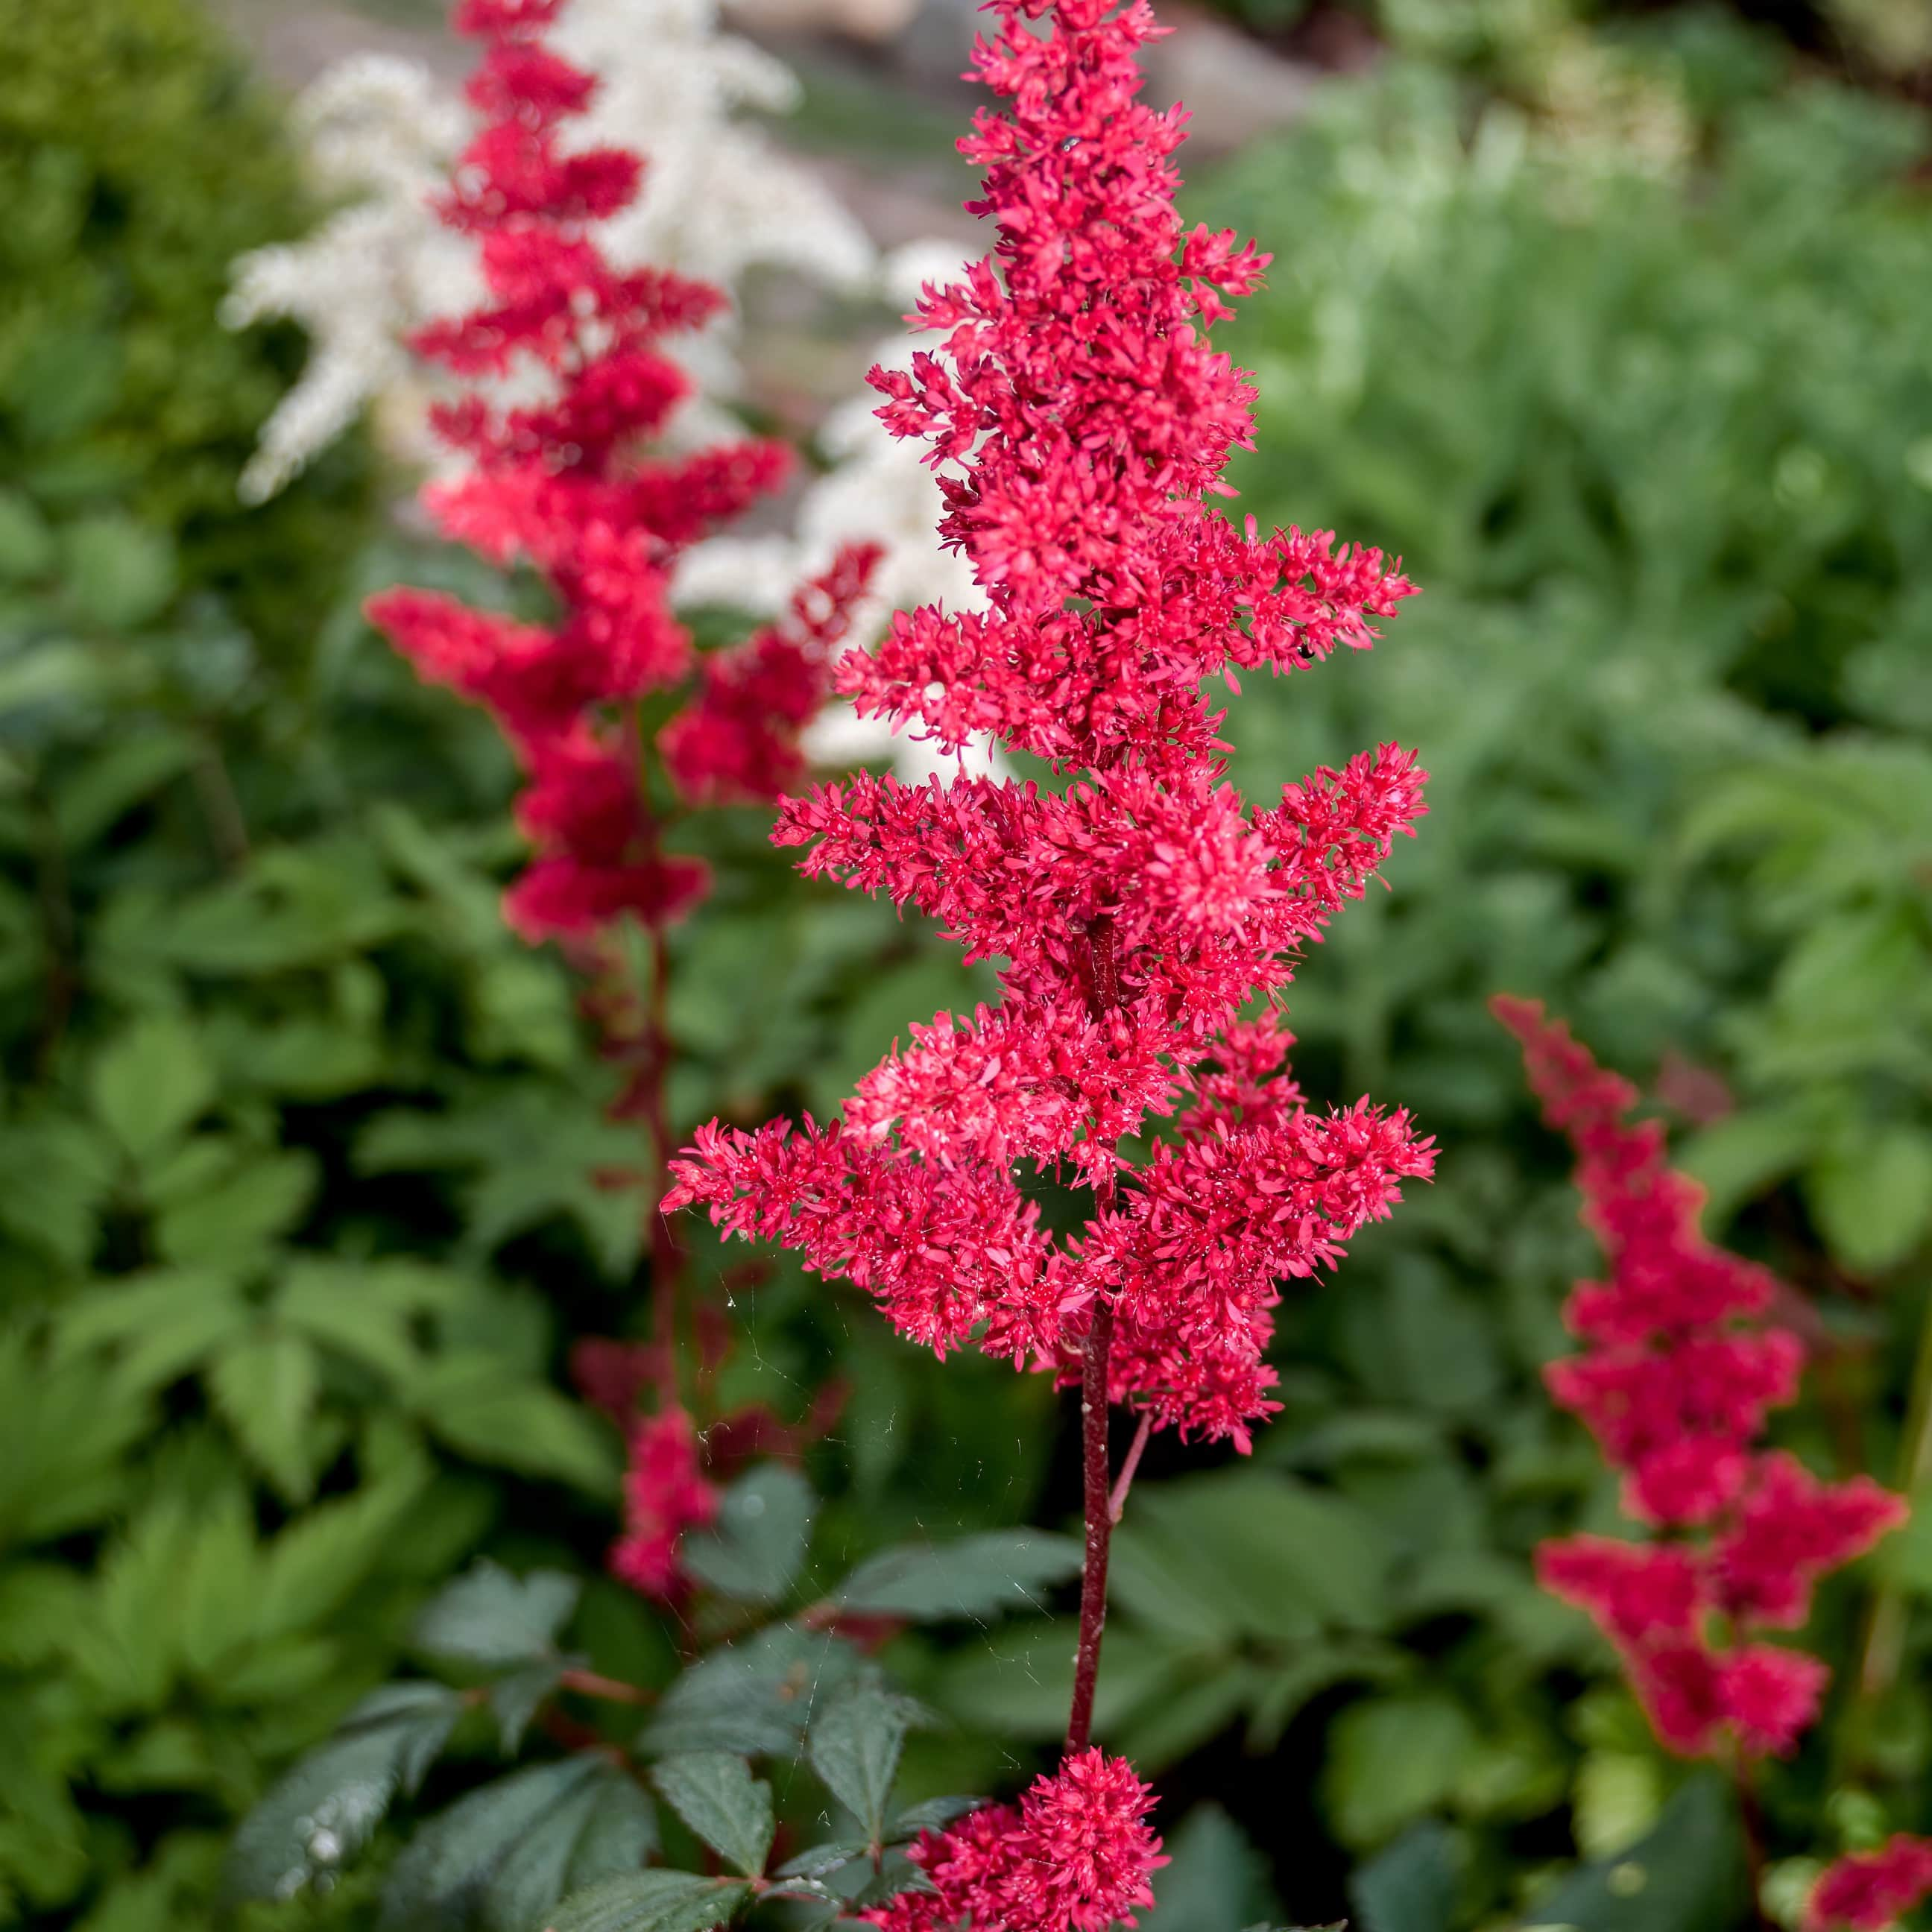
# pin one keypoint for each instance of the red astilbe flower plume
(1869, 1891)
(1075, 1855)
(665, 1494)
(563, 483)
(1136, 910)
(1679, 1371)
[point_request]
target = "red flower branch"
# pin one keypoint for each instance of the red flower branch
(1137, 912)
(564, 479)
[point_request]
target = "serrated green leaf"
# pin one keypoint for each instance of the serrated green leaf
(323, 1556)
(362, 1318)
(235, 1220)
(854, 1744)
(266, 1387)
(817, 1860)
(515, 1699)
(151, 1085)
(652, 1901)
(715, 1793)
(489, 1617)
(972, 1576)
(481, 1404)
(526, 1886)
(445, 1873)
(757, 1546)
(318, 1817)
(754, 1696)
(620, 1834)
(931, 1814)
(162, 1324)
(421, 1714)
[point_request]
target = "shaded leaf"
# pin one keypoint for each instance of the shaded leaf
(489, 1617)
(979, 1576)
(446, 1869)
(651, 1901)
(754, 1695)
(1410, 1887)
(758, 1545)
(151, 1085)
(715, 1793)
(316, 1818)
(854, 1745)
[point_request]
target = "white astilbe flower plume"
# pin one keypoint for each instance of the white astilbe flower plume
(717, 198)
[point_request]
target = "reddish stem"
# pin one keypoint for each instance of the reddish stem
(1099, 1525)
(667, 1260)
(1750, 1814)
(1117, 1502)
(590, 1683)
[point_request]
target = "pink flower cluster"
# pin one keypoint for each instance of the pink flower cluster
(1868, 1891)
(562, 484)
(664, 1494)
(1075, 1855)
(1137, 910)
(1679, 1371)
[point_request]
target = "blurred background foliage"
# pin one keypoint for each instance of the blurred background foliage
(1613, 326)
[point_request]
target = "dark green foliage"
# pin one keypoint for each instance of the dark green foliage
(137, 161)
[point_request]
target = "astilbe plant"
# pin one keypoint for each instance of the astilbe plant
(1683, 1360)
(569, 381)
(1139, 912)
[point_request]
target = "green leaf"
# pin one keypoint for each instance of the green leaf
(854, 1745)
(266, 1387)
(1214, 1878)
(715, 1793)
(754, 1695)
(235, 1220)
(161, 1324)
(1390, 1759)
(1688, 1875)
(482, 1405)
(619, 1834)
(92, 800)
(602, 1828)
(757, 1546)
(816, 1861)
(356, 1312)
(1410, 1887)
(316, 1819)
(118, 573)
(931, 1814)
(487, 1616)
(1737, 1158)
(651, 1901)
(151, 1085)
(447, 1869)
(972, 1576)
(1872, 1197)
(1273, 1553)
(515, 1699)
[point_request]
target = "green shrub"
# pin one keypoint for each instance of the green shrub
(137, 161)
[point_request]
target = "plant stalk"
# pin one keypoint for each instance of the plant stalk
(1883, 1650)
(1099, 1524)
